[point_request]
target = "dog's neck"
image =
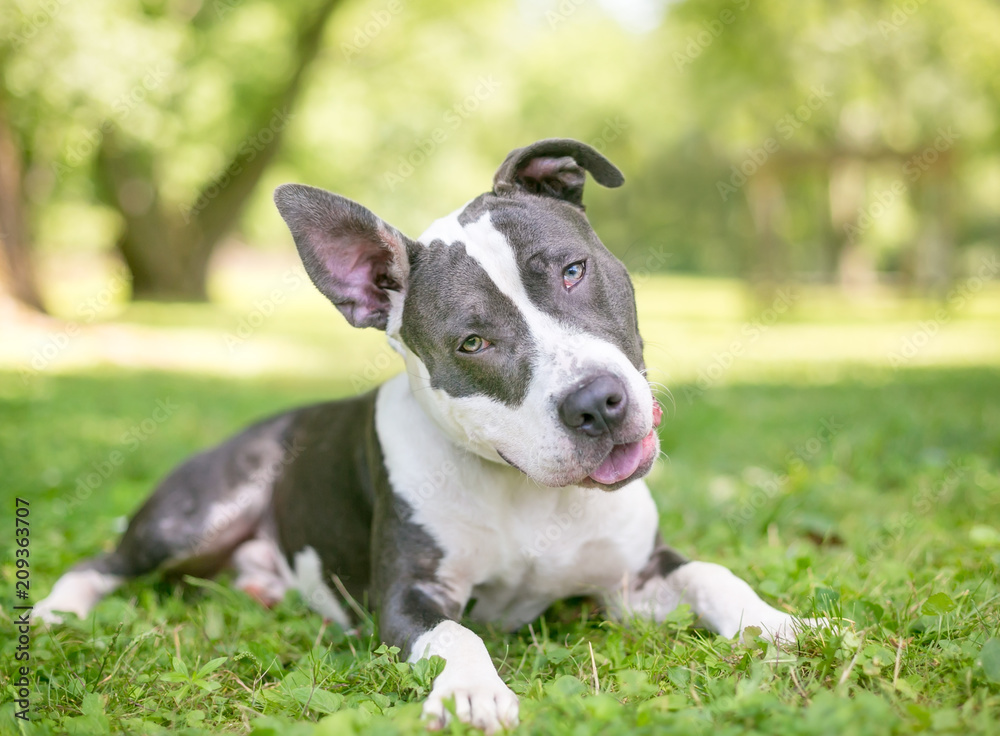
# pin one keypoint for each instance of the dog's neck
(443, 412)
(407, 404)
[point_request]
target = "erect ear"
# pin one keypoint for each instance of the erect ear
(354, 258)
(555, 168)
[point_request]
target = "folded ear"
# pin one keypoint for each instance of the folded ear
(352, 256)
(555, 168)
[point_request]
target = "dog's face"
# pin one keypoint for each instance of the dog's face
(517, 326)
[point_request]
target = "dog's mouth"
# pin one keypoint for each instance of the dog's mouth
(628, 459)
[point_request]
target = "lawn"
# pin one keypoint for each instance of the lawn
(810, 449)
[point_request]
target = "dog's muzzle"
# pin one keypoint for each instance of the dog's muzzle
(598, 408)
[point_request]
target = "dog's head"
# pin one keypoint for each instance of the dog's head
(517, 325)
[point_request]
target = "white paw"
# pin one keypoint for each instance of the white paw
(78, 591)
(780, 628)
(45, 609)
(45, 612)
(485, 703)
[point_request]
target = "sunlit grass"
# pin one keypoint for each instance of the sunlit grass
(835, 482)
(267, 319)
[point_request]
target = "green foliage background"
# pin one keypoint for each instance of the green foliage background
(676, 93)
(889, 520)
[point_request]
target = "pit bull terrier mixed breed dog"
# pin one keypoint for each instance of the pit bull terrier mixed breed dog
(524, 402)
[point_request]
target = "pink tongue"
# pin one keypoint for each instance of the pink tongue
(622, 461)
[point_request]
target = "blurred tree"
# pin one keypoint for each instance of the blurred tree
(853, 113)
(16, 273)
(167, 249)
(166, 111)
(757, 140)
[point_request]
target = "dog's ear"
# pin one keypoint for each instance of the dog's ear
(555, 168)
(354, 258)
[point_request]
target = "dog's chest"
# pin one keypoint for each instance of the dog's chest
(510, 544)
(521, 549)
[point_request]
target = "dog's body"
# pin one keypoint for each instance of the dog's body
(482, 472)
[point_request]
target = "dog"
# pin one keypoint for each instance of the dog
(503, 466)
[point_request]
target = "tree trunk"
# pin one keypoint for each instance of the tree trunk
(934, 249)
(855, 266)
(156, 246)
(168, 251)
(846, 193)
(16, 271)
(766, 199)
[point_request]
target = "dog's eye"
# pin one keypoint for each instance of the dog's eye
(473, 344)
(573, 274)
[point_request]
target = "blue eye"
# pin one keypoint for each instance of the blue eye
(573, 273)
(473, 344)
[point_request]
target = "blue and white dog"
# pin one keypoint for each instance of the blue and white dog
(524, 403)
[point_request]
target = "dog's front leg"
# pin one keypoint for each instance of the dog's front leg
(419, 613)
(481, 697)
(422, 623)
(721, 601)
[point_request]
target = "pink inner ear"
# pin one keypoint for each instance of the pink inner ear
(555, 177)
(547, 167)
(353, 268)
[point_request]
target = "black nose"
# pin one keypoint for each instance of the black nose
(597, 407)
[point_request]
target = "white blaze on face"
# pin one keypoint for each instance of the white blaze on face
(531, 436)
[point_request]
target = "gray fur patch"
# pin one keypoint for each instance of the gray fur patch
(451, 297)
(547, 235)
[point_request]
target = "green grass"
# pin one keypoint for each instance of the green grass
(834, 486)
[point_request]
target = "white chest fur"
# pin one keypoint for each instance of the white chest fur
(509, 543)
